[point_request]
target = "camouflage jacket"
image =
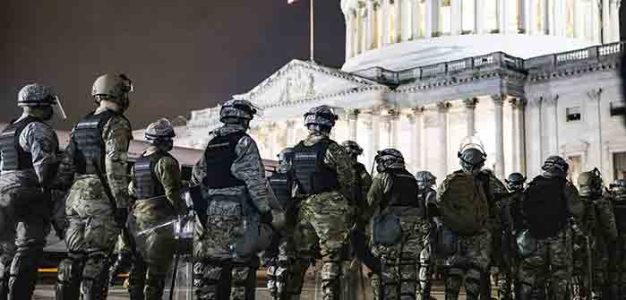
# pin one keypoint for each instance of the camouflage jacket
(116, 134)
(40, 140)
(337, 159)
(167, 172)
(247, 167)
(599, 219)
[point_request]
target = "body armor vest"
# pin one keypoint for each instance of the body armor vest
(404, 191)
(87, 139)
(219, 157)
(13, 156)
(312, 174)
(147, 185)
(281, 184)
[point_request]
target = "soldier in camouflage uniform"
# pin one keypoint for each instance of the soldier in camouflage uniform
(95, 165)
(549, 200)
(326, 188)
(235, 200)
(358, 249)
(156, 185)
(472, 259)
(509, 213)
(599, 225)
(617, 257)
(279, 259)
(28, 163)
(428, 195)
(394, 192)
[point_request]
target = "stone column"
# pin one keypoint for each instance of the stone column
(415, 19)
(456, 20)
(392, 119)
(606, 21)
(356, 41)
(375, 134)
(385, 22)
(370, 25)
(352, 115)
(503, 18)
(398, 22)
(614, 15)
(522, 20)
(470, 105)
(415, 119)
(349, 33)
(520, 109)
(479, 16)
(498, 101)
(545, 15)
(442, 109)
(531, 16)
(364, 28)
(432, 18)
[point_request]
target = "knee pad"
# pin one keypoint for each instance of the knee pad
(71, 268)
(95, 265)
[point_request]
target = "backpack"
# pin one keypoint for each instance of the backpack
(544, 206)
(463, 203)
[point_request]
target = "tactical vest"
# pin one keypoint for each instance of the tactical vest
(281, 184)
(544, 206)
(219, 156)
(147, 185)
(88, 142)
(13, 156)
(404, 191)
(312, 174)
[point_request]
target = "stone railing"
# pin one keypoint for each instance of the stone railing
(497, 59)
(442, 69)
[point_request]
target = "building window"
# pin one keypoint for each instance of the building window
(618, 108)
(573, 113)
(619, 165)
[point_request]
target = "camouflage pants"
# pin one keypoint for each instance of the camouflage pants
(471, 260)
(156, 250)
(549, 264)
(90, 239)
(400, 276)
(276, 261)
(218, 272)
(324, 220)
(24, 214)
(617, 267)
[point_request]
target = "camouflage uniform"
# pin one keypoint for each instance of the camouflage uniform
(155, 175)
(400, 261)
(599, 227)
(617, 257)
(473, 257)
(230, 212)
(427, 195)
(550, 262)
(28, 162)
(325, 218)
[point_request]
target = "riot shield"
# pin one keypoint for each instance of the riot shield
(183, 273)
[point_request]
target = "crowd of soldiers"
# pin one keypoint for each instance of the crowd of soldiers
(544, 240)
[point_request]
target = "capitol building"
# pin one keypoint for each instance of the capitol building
(529, 78)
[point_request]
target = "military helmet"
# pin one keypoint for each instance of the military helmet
(515, 181)
(555, 164)
(472, 154)
(323, 116)
(425, 177)
(237, 109)
(352, 148)
(618, 188)
(112, 87)
(590, 183)
(36, 95)
(286, 155)
(161, 130)
(389, 159)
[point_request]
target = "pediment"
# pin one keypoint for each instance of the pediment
(299, 81)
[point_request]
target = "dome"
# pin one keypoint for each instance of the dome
(400, 34)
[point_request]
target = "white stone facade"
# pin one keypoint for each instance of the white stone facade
(523, 109)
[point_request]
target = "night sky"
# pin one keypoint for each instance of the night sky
(181, 55)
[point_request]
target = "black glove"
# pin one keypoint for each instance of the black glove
(121, 215)
(267, 217)
(59, 228)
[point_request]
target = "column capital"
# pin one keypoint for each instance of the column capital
(443, 106)
(470, 103)
(518, 103)
(550, 99)
(498, 99)
(416, 110)
(352, 113)
(594, 94)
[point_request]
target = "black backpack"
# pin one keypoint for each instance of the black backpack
(544, 206)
